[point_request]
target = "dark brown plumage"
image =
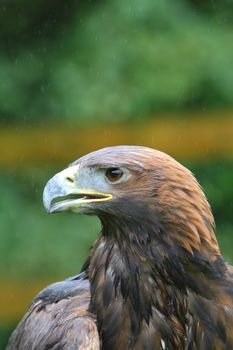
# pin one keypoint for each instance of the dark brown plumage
(155, 278)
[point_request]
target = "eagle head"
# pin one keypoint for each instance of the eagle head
(137, 186)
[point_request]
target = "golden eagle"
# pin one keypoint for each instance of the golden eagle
(155, 278)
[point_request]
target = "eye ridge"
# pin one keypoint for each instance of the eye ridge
(114, 174)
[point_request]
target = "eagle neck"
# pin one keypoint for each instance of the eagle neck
(137, 277)
(129, 290)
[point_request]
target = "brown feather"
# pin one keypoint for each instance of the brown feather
(56, 321)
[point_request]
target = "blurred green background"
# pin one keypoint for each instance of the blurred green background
(79, 75)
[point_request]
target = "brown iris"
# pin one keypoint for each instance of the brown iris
(114, 174)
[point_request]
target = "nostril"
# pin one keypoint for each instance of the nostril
(69, 179)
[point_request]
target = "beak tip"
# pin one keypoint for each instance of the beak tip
(47, 199)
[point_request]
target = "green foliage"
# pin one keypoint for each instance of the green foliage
(217, 181)
(34, 244)
(5, 332)
(114, 59)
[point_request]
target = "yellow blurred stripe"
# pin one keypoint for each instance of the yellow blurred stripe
(193, 136)
(16, 297)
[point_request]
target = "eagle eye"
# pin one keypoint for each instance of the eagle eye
(114, 174)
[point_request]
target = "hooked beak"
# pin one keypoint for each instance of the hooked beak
(62, 192)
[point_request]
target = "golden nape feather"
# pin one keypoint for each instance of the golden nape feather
(155, 277)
